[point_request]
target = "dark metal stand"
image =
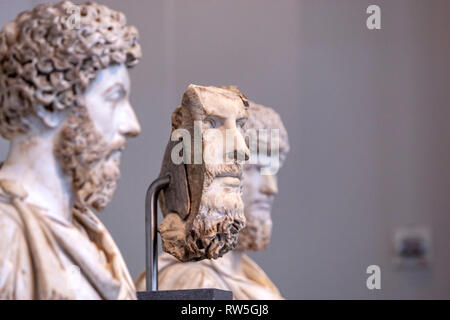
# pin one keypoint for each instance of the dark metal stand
(151, 255)
(151, 237)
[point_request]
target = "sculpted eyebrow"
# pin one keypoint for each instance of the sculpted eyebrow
(215, 112)
(114, 87)
(216, 116)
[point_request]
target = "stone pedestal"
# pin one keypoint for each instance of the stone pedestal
(197, 294)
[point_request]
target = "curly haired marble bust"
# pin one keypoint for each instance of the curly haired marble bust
(64, 107)
(45, 65)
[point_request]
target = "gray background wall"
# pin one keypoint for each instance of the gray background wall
(368, 114)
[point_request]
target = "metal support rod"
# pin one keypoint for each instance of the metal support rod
(151, 236)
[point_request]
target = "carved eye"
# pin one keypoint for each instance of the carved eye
(116, 94)
(240, 122)
(211, 122)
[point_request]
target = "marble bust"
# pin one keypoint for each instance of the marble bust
(64, 107)
(236, 271)
(209, 228)
(204, 220)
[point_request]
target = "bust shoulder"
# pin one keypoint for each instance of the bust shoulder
(15, 264)
(10, 221)
(190, 275)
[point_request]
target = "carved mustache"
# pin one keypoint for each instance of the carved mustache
(116, 147)
(262, 203)
(219, 171)
(233, 174)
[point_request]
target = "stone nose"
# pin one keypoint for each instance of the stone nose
(129, 125)
(268, 185)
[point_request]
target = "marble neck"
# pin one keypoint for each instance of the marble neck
(32, 163)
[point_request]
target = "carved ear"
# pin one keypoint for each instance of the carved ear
(50, 118)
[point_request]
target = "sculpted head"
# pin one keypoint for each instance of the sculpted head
(72, 83)
(210, 122)
(260, 186)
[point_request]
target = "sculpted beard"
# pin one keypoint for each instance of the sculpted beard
(221, 216)
(256, 234)
(86, 157)
(215, 229)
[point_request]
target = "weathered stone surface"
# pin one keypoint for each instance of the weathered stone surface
(207, 225)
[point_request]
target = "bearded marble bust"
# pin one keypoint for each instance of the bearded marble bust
(236, 271)
(209, 225)
(64, 107)
(204, 221)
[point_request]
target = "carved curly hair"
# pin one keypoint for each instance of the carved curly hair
(262, 117)
(45, 65)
